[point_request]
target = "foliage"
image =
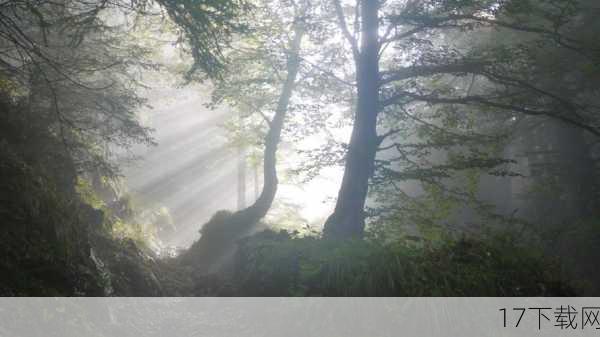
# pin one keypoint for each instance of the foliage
(456, 79)
(56, 237)
(576, 245)
(45, 225)
(279, 264)
(70, 87)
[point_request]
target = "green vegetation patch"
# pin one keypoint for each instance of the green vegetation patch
(279, 264)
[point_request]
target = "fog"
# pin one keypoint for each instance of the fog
(193, 169)
(299, 148)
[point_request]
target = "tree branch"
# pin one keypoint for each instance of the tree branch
(480, 100)
(344, 27)
(428, 70)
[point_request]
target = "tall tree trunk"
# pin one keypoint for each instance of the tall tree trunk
(220, 234)
(348, 219)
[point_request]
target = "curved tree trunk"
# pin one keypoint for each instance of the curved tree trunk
(348, 218)
(220, 234)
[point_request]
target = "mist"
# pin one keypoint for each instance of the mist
(300, 148)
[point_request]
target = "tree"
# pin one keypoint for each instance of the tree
(224, 229)
(411, 27)
(70, 90)
(79, 63)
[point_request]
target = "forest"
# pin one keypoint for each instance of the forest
(299, 147)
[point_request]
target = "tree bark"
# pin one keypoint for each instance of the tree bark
(348, 218)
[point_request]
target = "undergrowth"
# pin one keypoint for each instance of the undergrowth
(279, 264)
